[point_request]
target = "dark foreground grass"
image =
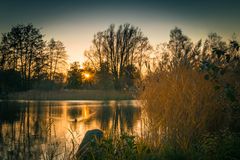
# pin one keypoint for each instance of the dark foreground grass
(221, 146)
(71, 95)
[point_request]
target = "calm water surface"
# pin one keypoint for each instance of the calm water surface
(29, 125)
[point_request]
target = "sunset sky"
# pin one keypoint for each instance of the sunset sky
(74, 22)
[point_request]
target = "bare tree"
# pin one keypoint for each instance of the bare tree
(57, 58)
(144, 49)
(118, 49)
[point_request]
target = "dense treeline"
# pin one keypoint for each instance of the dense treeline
(115, 60)
(119, 58)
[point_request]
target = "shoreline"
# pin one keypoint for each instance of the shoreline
(69, 95)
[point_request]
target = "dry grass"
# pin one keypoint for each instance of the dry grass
(71, 95)
(180, 105)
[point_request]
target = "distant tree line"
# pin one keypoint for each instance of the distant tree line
(119, 58)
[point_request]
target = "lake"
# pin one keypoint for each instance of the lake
(29, 128)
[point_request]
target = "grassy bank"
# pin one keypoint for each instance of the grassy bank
(71, 95)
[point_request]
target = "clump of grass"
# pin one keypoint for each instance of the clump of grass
(60, 149)
(118, 147)
(180, 106)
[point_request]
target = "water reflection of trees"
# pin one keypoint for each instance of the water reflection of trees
(8, 113)
(117, 117)
(24, 127)
(103, 115)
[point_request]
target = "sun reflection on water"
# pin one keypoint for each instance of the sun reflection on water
(45, 121)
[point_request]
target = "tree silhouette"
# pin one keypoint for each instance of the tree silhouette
(21, 49)
(103, 77)
(180, 46)
(57, 58)
(74, 76)
(118, 49)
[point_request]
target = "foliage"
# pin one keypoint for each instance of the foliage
(74, 76)
(221, 146)
(46, 85)
(131, 74)
(117, 147)
(10, 80)
(104, 79)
